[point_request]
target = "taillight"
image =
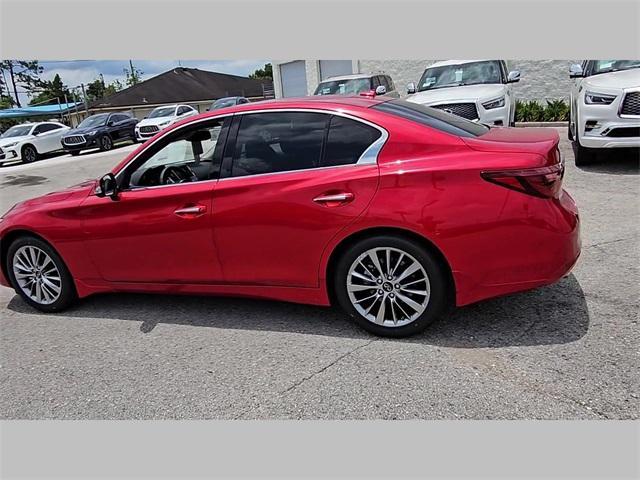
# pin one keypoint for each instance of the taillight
(542, 182)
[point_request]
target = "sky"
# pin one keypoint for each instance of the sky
(75, 72)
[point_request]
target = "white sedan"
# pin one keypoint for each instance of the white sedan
(478, 90)
(160, 118)
(605, 106)
(28, 141)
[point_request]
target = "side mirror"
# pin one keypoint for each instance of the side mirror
(575, 71)
(411, 88)
(381, 90)
(513, 77)
(107, 187)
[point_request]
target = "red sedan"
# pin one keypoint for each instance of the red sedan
(393, 210)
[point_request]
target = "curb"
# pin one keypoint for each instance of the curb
(542, 124)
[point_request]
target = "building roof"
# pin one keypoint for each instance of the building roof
(36, 111)
(183, 85)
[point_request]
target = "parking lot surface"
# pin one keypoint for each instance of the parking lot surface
(566, 351)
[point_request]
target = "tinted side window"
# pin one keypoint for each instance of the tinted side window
(278, 142)
(183, 110)
(390, 82)
(45, 127)
(347, 140)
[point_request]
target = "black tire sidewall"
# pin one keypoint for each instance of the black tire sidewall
(439, 296)
(68, 294)
(24, 156)
(109, 142)
(75, 153)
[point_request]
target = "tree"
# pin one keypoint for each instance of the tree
(265, 72)
(51, 91)
(99, 89)
(133, 75)
(5, 99)
(23, 72)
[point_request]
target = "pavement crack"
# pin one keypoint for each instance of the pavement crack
(329, 365)
(600, 244)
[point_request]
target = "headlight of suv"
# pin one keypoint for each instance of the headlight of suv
(593, 98)
(92, 133)
(496, 103)
(9, 145)
(164, 124)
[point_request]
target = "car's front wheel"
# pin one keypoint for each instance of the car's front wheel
(106, 143)
(38, 275)
(391, 286)
(29, 154)
(583, 155)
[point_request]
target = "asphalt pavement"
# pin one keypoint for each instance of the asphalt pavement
(567, 351)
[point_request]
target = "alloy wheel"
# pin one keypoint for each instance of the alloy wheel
(106, 143)
(388, 286)
(37, 274)
(29, 154)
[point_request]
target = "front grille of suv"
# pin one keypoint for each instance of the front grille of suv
(631, 104)
(73, 140)
(149, 129)
(464, 110)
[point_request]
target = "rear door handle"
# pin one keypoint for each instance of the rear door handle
(191, 211)
(334, 199)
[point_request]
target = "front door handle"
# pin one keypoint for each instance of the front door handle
(191, 211)
(334, 199)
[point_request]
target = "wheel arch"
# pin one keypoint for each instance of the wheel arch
(28, 144)
(355, 237)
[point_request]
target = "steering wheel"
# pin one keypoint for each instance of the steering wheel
(174, 174)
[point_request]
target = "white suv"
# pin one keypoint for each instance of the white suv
(28, 141)
(358, 83)
(160, 118)
(605, 106)
(478, 90)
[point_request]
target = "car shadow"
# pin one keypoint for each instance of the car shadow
(555, 314)
(615, 161)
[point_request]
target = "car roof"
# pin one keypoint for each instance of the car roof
(445, 63)
(228, 98)
(352, 76)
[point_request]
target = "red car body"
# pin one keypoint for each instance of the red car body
(264, 236)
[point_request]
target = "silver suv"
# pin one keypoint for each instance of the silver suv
(378, 83)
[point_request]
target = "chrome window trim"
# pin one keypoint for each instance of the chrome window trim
(624, 96)
(368, 157)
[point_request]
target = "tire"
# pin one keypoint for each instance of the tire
(106, 143)
(400, 319)
(75, 153)
(20, 260)
(29, 154)
(583, 155)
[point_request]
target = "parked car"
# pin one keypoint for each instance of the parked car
(161, 118)
(393, 210)
(28, 141)
(376, 84)
(102, 131)
(227, 102)
(478, 90)
(605, 107)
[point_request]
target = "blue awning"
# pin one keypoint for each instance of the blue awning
(37, 111)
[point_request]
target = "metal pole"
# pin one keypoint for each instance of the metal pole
(66, 106)
(84, 95)
(59, 109)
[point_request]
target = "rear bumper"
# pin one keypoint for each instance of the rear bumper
(527, 258)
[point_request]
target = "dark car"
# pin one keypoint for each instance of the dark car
(100, 131)
(227, 102)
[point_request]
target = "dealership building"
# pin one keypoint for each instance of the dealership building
(540, 79)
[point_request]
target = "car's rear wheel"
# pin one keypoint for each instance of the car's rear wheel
(391, 286)
(29, 154)
(106, 143)
(38, 275)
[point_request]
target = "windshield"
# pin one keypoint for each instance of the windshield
(94, 121)
(162, 112)
(224, 102)
(17, 131)
(352, 86)
(473, 73)
(605, 66)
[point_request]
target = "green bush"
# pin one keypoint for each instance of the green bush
(532, 111)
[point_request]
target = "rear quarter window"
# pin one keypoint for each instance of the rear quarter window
(431, 117)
